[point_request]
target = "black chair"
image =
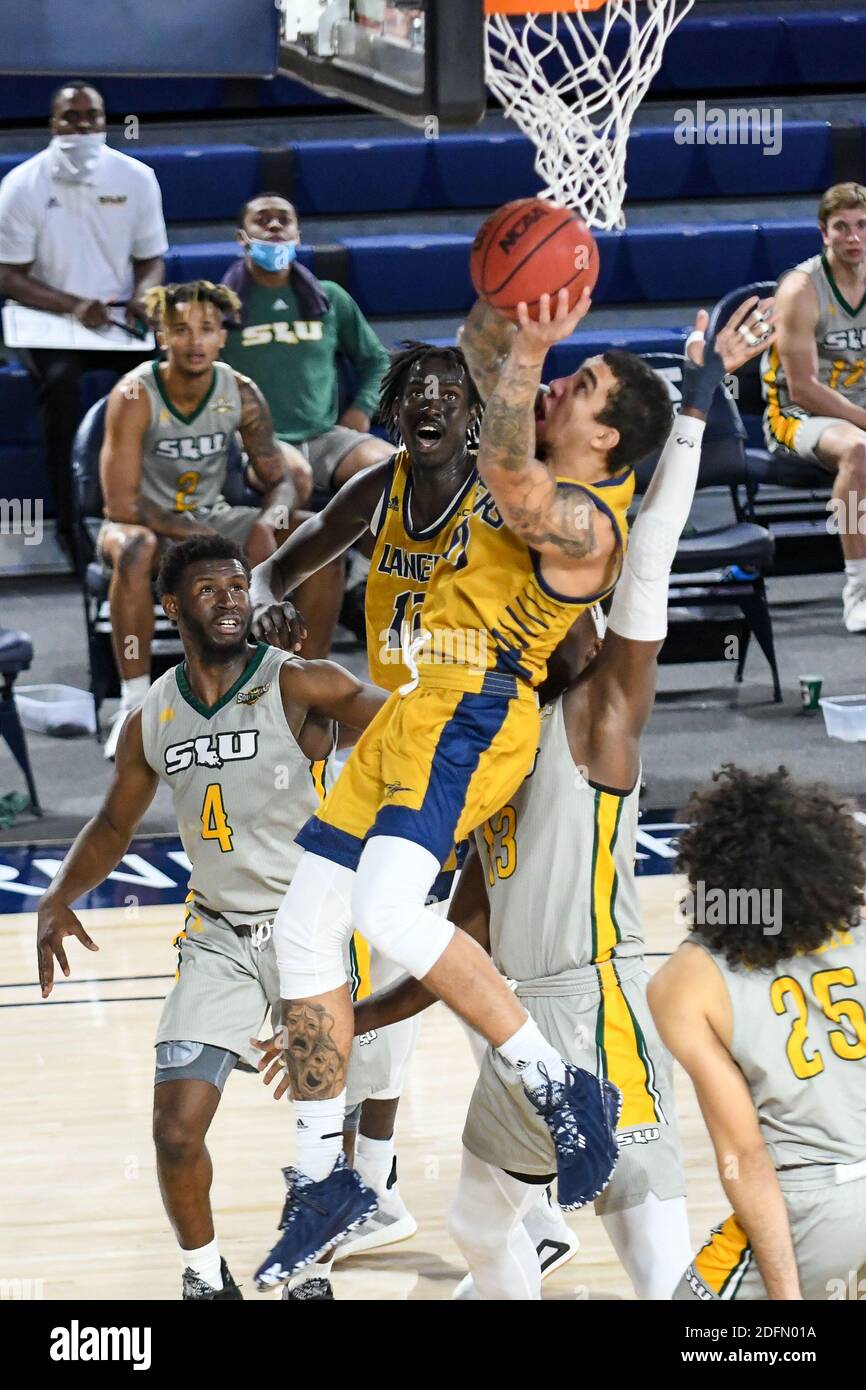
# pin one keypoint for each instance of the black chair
(780, 490)
(16, 654)
(717, 589)
(166, 647)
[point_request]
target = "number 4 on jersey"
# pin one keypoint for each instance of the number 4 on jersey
(214, 824)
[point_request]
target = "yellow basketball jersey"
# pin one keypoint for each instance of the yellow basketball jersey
(400, 571)
(488, 607)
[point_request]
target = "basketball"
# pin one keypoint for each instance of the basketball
(529, 248)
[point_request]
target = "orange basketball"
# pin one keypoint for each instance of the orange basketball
(529, 248)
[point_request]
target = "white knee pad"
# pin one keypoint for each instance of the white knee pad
(391, 886)
(312, 928)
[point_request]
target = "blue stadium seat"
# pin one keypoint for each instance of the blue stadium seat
(827, 48)
(202, 182)
(485, 169)
(423, 273)
(362, 175)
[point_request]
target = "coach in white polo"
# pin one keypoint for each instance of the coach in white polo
(80, 225)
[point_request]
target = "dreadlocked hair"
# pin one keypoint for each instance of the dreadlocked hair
(763, 830)
(409, 354)
(159, 301)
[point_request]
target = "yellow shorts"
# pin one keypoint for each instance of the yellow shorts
(430, 768)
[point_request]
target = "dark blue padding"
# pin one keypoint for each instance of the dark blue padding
(199, 183)
(746, 52)
(565, 357)
(210, 37)
(23, 474)
(826, 48)
(485, 169)
(424, 273)
(784, 244)
(346, 176)
(19, 409)
(689, 262)
(802, 163)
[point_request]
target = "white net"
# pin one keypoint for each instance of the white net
(572, 83)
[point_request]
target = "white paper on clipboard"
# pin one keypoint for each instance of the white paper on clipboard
(31, 328)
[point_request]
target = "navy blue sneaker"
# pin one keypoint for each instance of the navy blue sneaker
(314, 1216)
(582, 1114)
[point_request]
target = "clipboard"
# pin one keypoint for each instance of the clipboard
(33, 328)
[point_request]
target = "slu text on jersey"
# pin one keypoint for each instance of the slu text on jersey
(77, 1343)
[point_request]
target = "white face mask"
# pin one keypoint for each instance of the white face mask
(74, 157)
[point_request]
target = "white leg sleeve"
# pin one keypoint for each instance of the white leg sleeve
(652, 1243)
(639, 608)
(486, 1221)
(312, 928)
(391, 886)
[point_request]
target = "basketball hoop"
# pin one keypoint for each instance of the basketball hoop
(571, 74)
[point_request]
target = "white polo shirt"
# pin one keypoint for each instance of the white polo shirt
(80, 237)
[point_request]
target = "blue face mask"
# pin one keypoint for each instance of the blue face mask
(272, 255)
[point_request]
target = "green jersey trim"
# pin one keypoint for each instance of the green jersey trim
(208, 711)
(172, 409)
(837, 293)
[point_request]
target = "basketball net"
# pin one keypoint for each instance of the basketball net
(572, 82)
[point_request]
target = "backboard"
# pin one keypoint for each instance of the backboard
(419, 60)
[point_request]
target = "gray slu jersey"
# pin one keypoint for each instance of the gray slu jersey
(800, 1041)
(185, 457)
(840, 336)
(241, 786)
(560, 867)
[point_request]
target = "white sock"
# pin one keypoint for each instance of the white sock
(204, 1262)
(319, 1134)
(373, 1160)
(133, 692)
(855, 570)
(526, 1050)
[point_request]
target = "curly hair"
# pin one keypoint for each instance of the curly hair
(410, 353)
(161, 299)
(179, 556)
(639, 407)
(763, 831)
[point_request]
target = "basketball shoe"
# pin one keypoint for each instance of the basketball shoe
(196, 1290)
(311, 1288)
(581, 1114)
(391, 1222)
(314, 1216)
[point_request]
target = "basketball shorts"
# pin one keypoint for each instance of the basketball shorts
(430, 767)
(598, 1018)
(226, 986)
(235, 523)
(794, 429)
(326, 452)
(826, 1207)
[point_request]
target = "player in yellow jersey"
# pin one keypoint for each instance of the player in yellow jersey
(532, 545)
(403, 508)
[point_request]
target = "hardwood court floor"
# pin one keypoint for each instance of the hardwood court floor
(77, 1172)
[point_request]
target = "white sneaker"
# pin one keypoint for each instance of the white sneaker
(117, 722)
(389, 1223)
(854, 606)
(555, 1243)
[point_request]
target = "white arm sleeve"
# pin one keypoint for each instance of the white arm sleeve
(639, 609)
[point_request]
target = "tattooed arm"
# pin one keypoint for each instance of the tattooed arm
(486, 339)
(576, 541)
(266, 456)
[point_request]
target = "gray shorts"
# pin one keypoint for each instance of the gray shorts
(796, 432)
(325, 452)
(226, 987)
(828, 1227)
(233, 522)
(606, 1027)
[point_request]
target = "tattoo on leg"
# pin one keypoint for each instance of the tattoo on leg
(315, 1067)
